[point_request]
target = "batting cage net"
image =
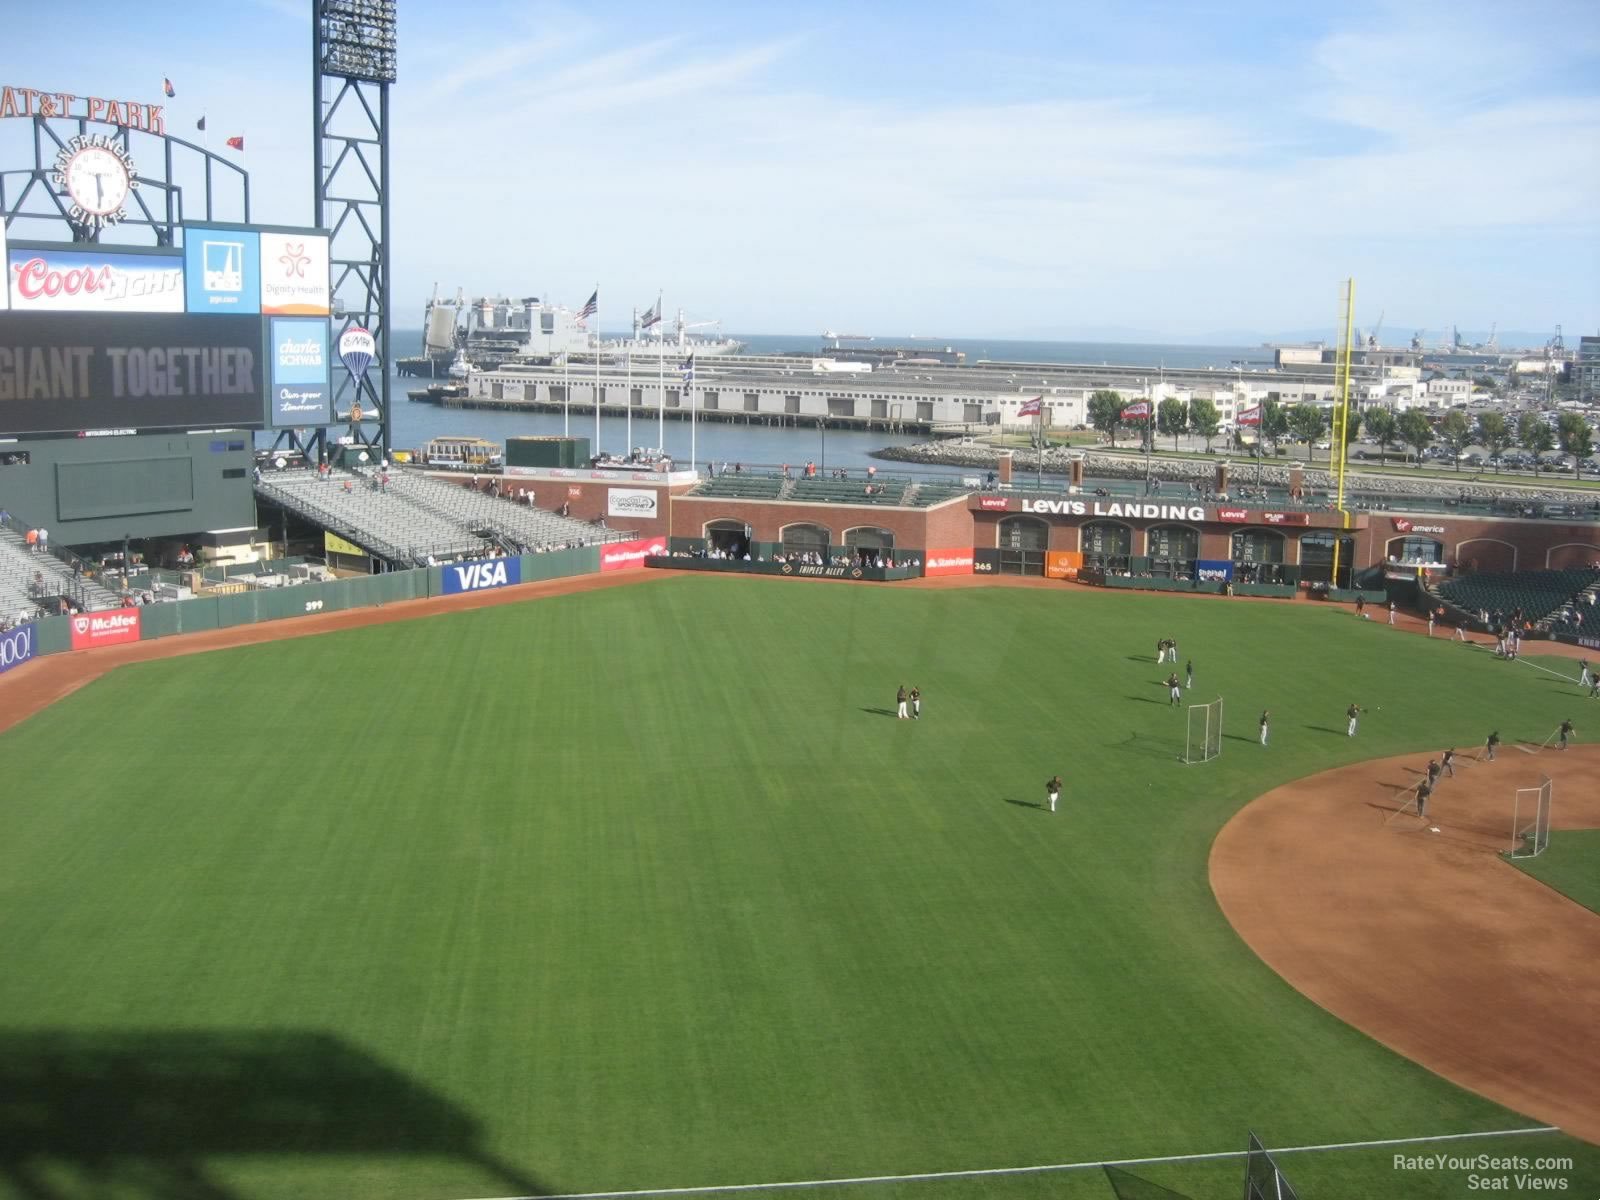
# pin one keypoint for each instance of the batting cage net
(1204, 740)
(1262, 1179)
(1530, 820)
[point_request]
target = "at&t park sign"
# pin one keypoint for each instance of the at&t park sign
(1116, 508)
(31, 102)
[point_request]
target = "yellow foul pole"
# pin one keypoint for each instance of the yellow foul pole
(1341, 413)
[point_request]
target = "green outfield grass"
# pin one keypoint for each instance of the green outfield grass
(646, 888)
(1570, 864)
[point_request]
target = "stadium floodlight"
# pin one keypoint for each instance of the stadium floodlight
(356, 39)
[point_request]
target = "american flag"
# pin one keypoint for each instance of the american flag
(1031, 408)
(1137, 412)
(652, 315)
(590, 306)
(688, 368)
(167, 89)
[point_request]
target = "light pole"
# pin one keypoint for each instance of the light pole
(822, 424)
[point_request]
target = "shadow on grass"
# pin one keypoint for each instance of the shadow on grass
(1025, 803)
(1140, 658)
(1146, 699)
(1239, 737)
(1324, 729)
(880, 712)
(146, 1113)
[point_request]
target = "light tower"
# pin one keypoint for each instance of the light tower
(353, 63)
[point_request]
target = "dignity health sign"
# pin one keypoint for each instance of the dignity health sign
(302, 388)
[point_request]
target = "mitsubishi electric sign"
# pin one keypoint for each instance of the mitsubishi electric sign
(482, 575)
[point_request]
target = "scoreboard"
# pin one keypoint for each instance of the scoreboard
(229, 330)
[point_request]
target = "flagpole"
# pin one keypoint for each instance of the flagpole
(597, 371)
(661, 402)
(694, 413)
(627, 394)
(1038, 420)
(566, 392)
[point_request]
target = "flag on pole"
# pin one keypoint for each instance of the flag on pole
(1032, 408)
(688, 369)
(201, 124)
(166, 86)
(590, 306)
(236, 143)
(1248, 416)
(1137, 412)
(652, 315)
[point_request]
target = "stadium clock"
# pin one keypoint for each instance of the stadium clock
(98, 175)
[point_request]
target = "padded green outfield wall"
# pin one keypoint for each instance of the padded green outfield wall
(54, 634)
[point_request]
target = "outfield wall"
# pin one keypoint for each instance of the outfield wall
(54, 635)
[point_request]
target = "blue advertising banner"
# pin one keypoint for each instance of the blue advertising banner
(16, 647)
(222, 270)
(481, 575)
(301, 391)
(1213, 570)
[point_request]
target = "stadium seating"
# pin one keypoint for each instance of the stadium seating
(742, 486)
(417, 516)
(1538, 594)
(849, 491)
(527, 526)
(18, 565)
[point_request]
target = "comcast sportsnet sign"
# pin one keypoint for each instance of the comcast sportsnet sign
(109, 628)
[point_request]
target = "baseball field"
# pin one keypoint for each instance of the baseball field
(647, 888)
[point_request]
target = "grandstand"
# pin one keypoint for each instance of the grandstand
(1539, 594)
(416, 517)
(18, 592)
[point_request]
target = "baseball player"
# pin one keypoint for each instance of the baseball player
(1052, 791)
(900, 703)
(1188, 672)
(1265, 725)
(916, 703)
(1430, 622)
(1354, 713)
(1174, 689)
(1449, 761)
(1424, 791)
(1391, 612)
(1566, 732)
(1583, 678)
(1490, 743)
(1361, 607)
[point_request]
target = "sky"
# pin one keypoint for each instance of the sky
(1135, 171)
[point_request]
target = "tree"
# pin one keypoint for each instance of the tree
(1383, 429)
(1494, 435)
(1455, 431)
(1274, 423)
(1204, 420)
(1577, 439)
(1536, 436)
(1415, 430)
(1306, 421)
(1105, 413)
(1172, 418)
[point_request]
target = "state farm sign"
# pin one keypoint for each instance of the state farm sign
(618, 556)
(948, 562)
(94, 281)
(107, 628)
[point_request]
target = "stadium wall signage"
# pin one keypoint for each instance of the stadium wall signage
(996, 503)
(1277, 518)
(481, 575)
(618, 556)
(1115, 508)
(638, 503)
(1213, 570)
(16, 647)
(1406, 525)
(109, 628)
(948, 562)
(29, 102)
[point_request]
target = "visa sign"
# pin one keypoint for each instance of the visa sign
(482, 575)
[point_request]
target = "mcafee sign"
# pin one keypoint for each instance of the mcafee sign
(105, 628)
